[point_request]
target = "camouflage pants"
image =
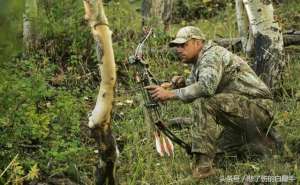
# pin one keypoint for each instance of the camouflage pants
(226, 122)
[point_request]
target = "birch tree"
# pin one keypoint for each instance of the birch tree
(267, 44)
(29, 25)
(100, 120)
(157, 12)
(244, 30)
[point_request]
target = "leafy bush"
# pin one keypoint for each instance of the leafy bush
(193, 10)
(39, 123)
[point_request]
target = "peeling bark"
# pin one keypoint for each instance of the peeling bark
(100, 120)
(268, 42)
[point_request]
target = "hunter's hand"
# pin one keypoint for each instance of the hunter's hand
(178, 82)
(158, 93)
(166, 85)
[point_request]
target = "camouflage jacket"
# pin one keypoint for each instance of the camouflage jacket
(218, 70)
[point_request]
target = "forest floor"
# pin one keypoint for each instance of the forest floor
(45, 99)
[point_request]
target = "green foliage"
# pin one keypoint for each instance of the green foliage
(193, 10)
(11, 27)
(39, 120)
(288, 15)
(17, 174)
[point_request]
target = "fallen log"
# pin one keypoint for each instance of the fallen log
(289, 38)
(234, 44)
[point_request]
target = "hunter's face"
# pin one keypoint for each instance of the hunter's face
(189, 51)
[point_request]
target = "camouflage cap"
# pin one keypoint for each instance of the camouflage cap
(185, 34)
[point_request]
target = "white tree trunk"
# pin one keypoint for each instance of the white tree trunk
(29, 24)
(241, 18)
(156, 13)
(268, 41)
(100, 120)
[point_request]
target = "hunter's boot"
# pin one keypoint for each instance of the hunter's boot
(202, 166)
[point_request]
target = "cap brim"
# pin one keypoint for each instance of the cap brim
(177, 41)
